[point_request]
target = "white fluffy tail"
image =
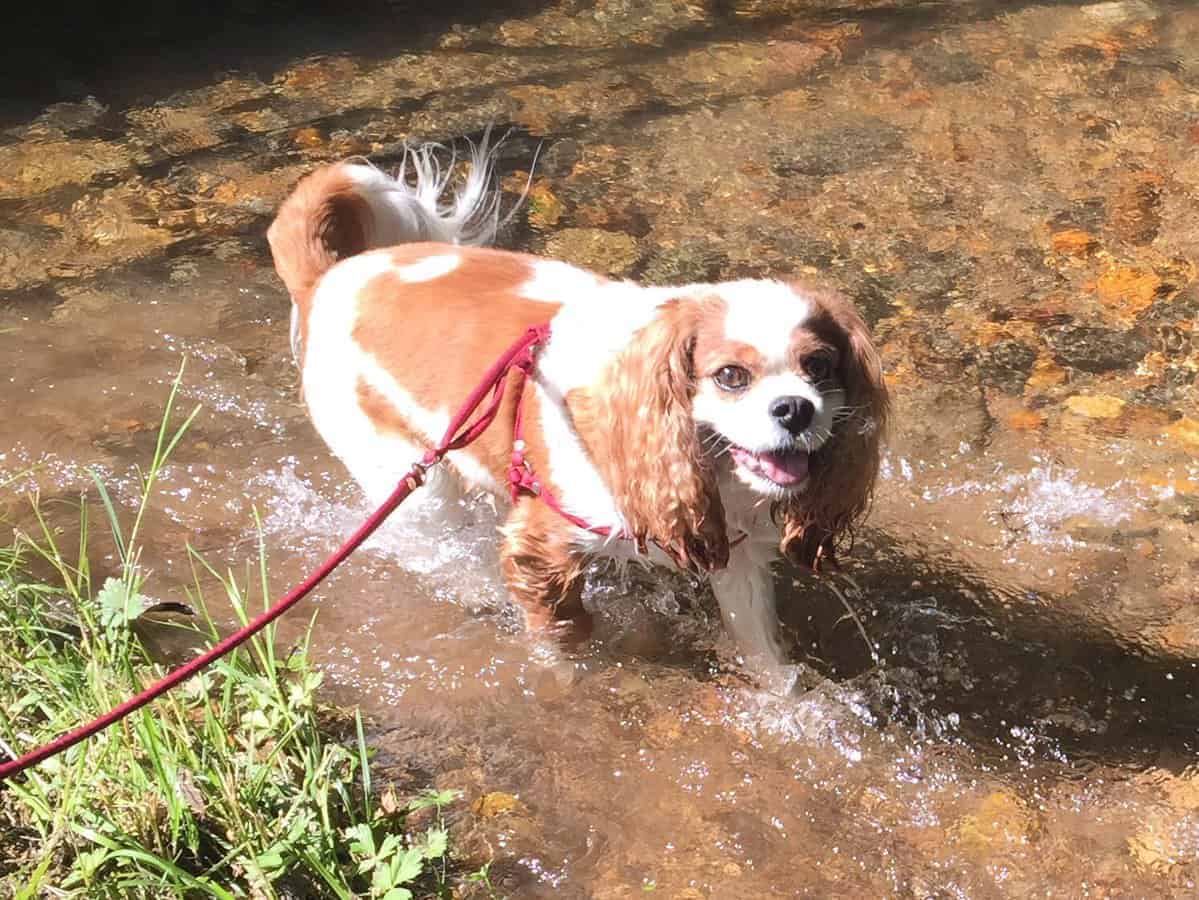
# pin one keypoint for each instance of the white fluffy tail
(421, 204)
(345, 209)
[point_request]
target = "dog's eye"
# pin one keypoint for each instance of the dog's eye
(732, 378)
(819, 366)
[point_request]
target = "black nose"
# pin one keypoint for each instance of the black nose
(793, 413)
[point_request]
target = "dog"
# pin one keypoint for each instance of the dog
(713, 427)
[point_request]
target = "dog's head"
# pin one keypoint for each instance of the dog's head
(777, 384)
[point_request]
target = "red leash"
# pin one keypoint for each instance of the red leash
(458, 435)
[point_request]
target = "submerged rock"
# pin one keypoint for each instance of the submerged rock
(835, 151)
(1127, 291)
(1007, 365)
(1000, 819)
(1099, 406)
(692, 261)
(943, 66)
(606, 252)
(1097, 350)
(1074, 242)
(34, 167)
(497, 803)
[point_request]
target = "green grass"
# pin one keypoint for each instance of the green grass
(237, 784)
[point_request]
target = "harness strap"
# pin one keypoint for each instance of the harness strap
(521, 478)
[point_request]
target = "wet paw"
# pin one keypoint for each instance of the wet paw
(571, 633)
(567, 633)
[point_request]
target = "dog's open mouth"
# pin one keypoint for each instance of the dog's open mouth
(785, 468)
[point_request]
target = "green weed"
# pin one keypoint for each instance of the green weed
(230, 786)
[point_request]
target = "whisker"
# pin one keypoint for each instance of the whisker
(852, 614)
(715, 444)
(723, 451)
(842, 413)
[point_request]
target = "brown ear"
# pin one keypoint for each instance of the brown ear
(821, 520)
(636, 424)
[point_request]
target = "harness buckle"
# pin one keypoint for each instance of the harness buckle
(520, 477)
(421, 468)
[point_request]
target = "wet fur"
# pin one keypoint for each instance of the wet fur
(820, 523)
(609, 417)
(638, 419)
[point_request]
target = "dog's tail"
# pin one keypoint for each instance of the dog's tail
(341, 210)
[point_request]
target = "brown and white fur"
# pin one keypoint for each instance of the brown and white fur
(721, 424)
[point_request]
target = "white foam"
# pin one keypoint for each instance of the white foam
(457, 561)
(831, 715)
(1043, 498)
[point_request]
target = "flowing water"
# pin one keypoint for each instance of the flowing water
(1010, 190)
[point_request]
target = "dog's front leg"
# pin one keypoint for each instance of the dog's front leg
(544, 571)
(745, 592)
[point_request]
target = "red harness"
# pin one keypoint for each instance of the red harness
(521, 478)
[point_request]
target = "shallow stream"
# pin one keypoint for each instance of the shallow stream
(1010, 190)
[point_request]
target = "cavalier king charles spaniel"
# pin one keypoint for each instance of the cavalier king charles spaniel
(709, 426)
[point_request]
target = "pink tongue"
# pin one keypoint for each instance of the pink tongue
(782, 468)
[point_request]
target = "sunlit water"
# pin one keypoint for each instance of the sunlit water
(1011, 193)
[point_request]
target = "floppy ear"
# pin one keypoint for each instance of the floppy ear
(636, 424)
(821, 520)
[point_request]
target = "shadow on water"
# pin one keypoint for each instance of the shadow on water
(129, 51)
(957, 644)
